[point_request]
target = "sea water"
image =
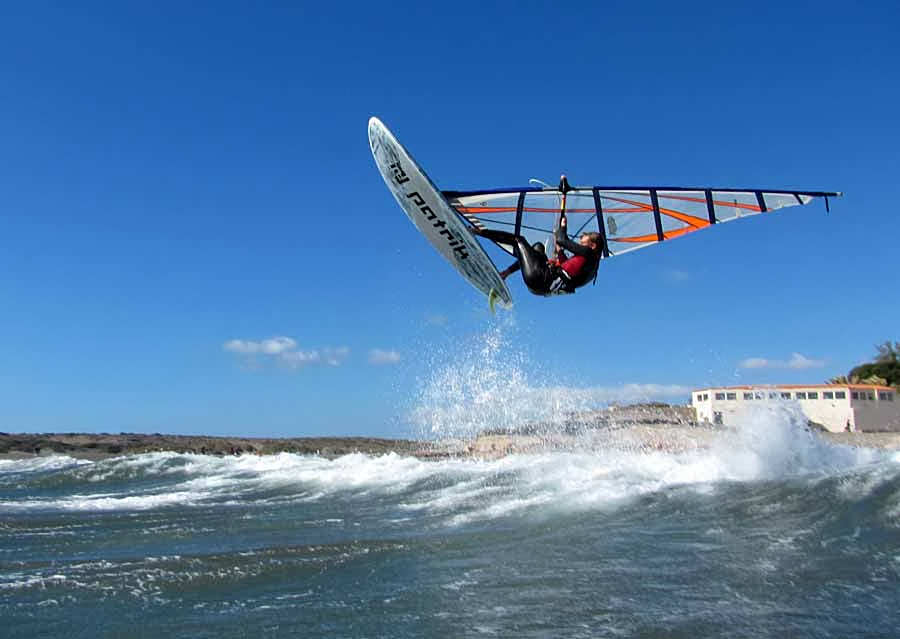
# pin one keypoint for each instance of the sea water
(769, 531)
(764, 530)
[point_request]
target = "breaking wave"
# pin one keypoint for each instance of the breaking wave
(769, 445)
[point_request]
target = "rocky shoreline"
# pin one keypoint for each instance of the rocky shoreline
(97, 446)
(102, 445)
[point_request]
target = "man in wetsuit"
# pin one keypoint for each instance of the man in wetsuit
(543, 277)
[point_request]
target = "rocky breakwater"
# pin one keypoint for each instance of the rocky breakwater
(101, 445)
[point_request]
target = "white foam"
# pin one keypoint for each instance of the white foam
(768, 444)
(104, 502)
(41, 464)
(772, 440)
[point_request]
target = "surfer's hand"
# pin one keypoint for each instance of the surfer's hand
(562, 221)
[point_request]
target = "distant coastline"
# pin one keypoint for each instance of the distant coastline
(97, 446)
(103, 445)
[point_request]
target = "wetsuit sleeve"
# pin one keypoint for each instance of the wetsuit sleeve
(505, 237)
(496, 235)
(573, 247)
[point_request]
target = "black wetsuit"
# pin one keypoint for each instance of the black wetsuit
(588, 263)
(540, 276)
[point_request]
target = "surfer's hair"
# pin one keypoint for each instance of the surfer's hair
(595, 238)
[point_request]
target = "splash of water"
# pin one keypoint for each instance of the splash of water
(772, 440)
(488, 385)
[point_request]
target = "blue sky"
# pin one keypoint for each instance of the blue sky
(194, 237)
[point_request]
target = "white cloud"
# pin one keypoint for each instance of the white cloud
(676, 275)
(796, 362)
(436, 319)
(271, 346)
(381, 357)
(756, 362)
(283, 351)
(328, 356)
(627, 393)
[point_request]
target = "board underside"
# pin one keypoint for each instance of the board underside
(429, 210)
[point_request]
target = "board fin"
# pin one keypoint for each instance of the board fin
(493, 296)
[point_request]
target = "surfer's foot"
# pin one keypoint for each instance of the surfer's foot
(505, 273)
(475, 230)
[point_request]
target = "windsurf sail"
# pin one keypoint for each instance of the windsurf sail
(627, 218)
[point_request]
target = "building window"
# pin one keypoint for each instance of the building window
(871, 397)
(827, 394)
(813, 395)
(720, 395)
(731, 396)
(801, 395)
(785, 395)
(748, 395)
(758, 395)
(717, 418)
(854, 395)
(840, 395)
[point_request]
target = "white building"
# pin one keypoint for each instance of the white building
(837, 407)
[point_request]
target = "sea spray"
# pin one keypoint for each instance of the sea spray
(490, 383)
(475, 388)
(773, 439)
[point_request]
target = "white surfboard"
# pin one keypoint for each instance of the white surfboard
(429, 210)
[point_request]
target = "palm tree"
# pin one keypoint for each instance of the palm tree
(883, 371)
(888, 352)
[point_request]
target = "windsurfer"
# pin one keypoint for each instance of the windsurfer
(543, 276)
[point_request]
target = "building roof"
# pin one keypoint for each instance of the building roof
(873, 387)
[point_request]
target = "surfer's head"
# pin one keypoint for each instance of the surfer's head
(591, 240)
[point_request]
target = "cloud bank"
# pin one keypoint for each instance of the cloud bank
(284, 351)
(796, 362)
(677, 275)
(381, 357)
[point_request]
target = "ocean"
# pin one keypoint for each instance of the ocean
(768, 532)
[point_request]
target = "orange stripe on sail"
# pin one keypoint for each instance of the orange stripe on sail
(732, 204)
(696, 222)
(643, 239)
